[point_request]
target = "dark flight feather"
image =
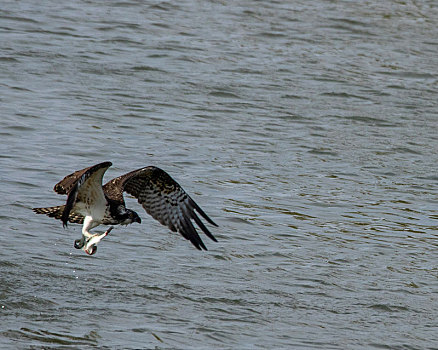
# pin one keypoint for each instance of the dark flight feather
(164, 199)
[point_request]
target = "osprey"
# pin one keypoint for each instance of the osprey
(91, 204)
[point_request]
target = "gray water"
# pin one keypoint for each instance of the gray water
(308, 130)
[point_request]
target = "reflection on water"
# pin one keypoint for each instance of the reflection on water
(307, 131)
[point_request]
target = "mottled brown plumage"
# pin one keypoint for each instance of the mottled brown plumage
(164, 199)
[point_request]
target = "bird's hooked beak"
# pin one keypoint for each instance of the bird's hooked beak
(137, 219)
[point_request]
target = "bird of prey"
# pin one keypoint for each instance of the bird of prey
(91, 204)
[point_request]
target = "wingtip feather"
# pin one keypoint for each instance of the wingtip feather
(203, 214)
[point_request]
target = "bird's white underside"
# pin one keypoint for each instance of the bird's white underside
(94, 209)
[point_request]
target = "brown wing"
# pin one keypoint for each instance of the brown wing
(164, 199)
(83, 186)
(66, 184)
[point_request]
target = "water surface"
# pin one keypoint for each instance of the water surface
(307, 130)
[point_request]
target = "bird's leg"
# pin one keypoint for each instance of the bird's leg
(86, 234)
(91, 246)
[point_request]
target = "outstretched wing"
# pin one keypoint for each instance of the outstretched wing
(84, 190)
(164, 199)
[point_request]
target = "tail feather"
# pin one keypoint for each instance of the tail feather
(56, 212)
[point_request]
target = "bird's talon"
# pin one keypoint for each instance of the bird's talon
(79, 243)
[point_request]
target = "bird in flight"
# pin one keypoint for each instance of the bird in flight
(91, 204)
